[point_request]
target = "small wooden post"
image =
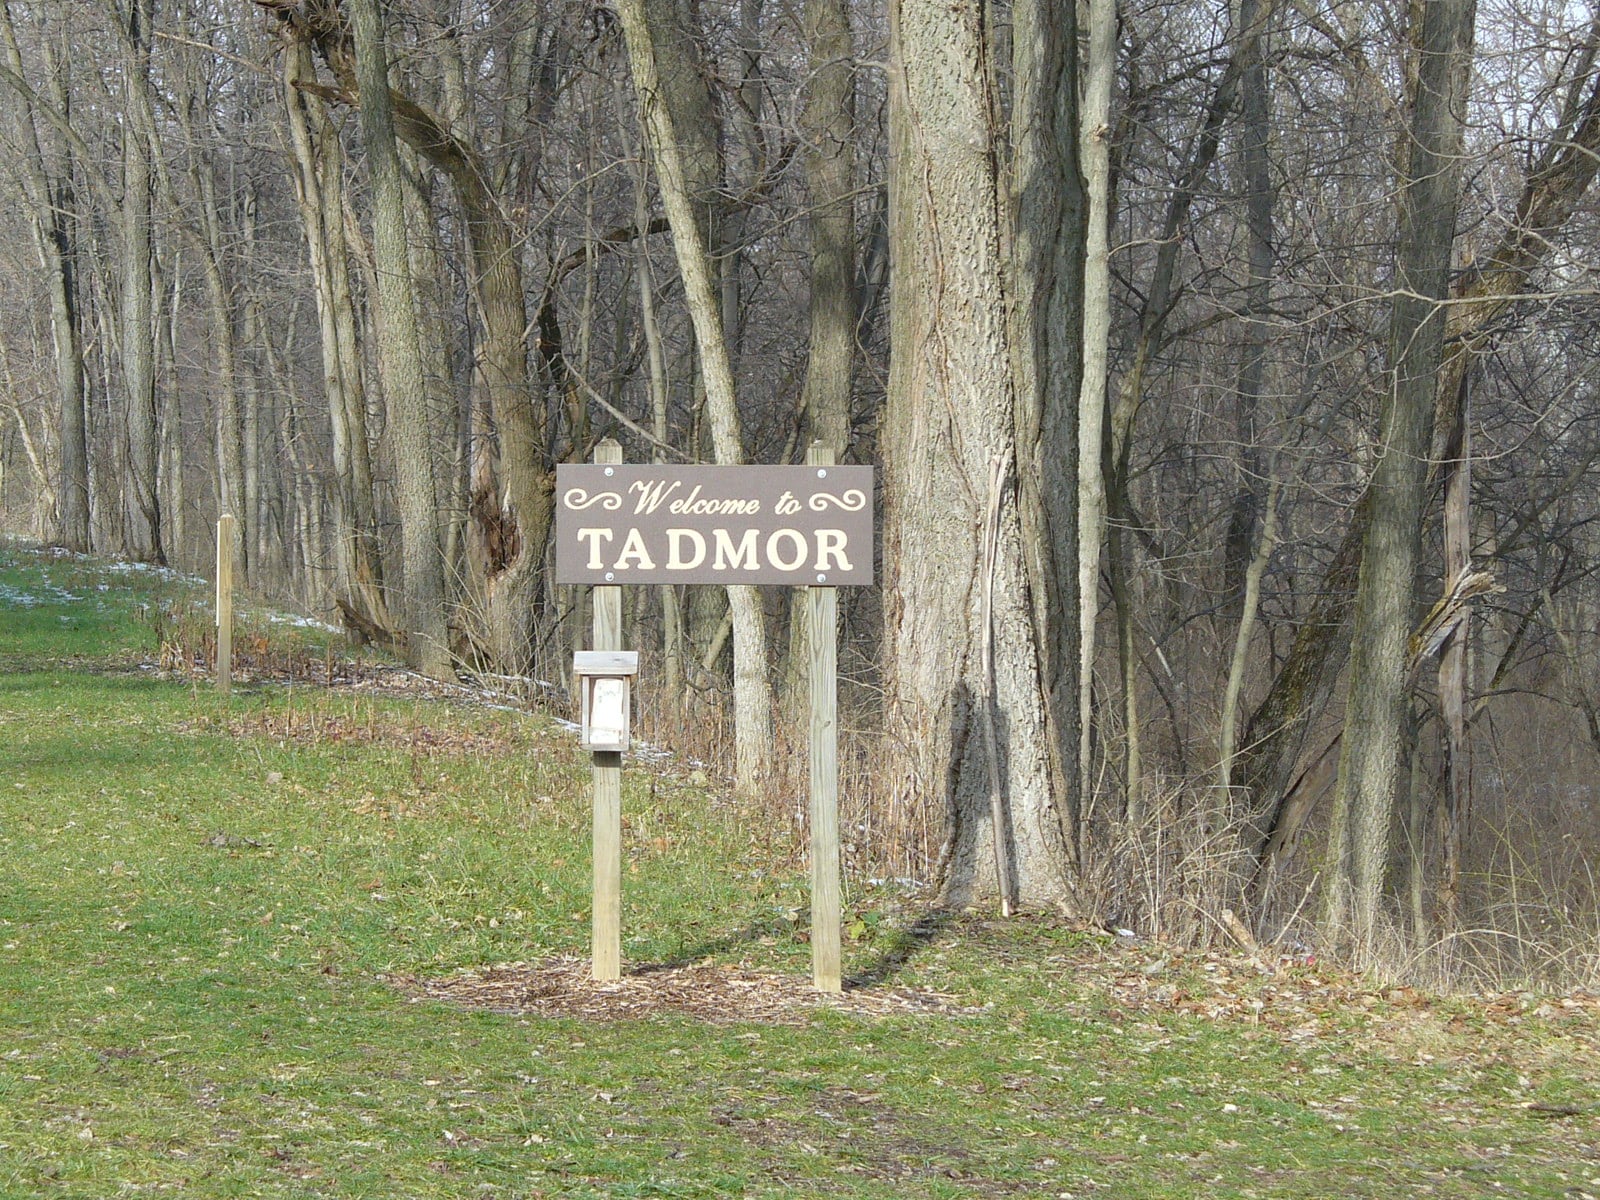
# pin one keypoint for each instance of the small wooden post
(822, 640)
(606, 938)
(225, 603)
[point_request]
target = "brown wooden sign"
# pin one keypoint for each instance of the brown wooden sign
(631, 524)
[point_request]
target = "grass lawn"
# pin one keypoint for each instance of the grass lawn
(217, 920)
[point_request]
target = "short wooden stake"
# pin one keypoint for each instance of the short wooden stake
(606, 938)
(822, 637)
(225, 603)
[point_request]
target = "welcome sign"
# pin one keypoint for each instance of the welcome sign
(637, 524)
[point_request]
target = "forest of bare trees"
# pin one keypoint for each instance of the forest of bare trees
(1224, 365)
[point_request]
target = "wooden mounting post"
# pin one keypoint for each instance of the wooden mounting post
(822, 641)
(225, 603)
(606, 940)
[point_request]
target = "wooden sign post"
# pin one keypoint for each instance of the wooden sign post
(225, 603)
(654, 524)
(822, 642)
(606, 916)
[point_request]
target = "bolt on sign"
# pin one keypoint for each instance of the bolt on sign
(635, 524)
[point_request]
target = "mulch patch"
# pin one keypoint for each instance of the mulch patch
(717, 995)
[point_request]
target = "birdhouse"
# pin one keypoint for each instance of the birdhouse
(604, 684)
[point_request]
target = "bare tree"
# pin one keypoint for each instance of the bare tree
(136, 315)
(752, 698)
(1370, 755)
(400, 354)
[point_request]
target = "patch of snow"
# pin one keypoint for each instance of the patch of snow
(302, 622)
(17, 598)
(139, 568)
(13, 598)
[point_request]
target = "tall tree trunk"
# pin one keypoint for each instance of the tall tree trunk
(684, 79)
(136, 316)
(1256, 183)
(827, 125)
(672, 623)
(107, 432)
(229, 441)
(319, 191)
(285, 470)
(752, 690)
(1370, 756)
(1249, 610)
(400, 355)
(951, 413)
(1094, 155)
(1456, 773)
(174, 454)
(261, 484)
(1050, 209)
(72, 517)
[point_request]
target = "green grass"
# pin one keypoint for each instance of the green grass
(200, 902)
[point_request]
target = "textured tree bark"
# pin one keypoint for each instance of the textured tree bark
(108, 466)
(951, 411)
(827, 126)
(1456, 773)
(1370, 755)
(400, 355)
(1094, 152)
(75, 512)
(1050, 246)
(173, 450)
(685, 94)
(136, 313)
(72, 492)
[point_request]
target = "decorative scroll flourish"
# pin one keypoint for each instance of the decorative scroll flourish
(579, 498)
(851, 500)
